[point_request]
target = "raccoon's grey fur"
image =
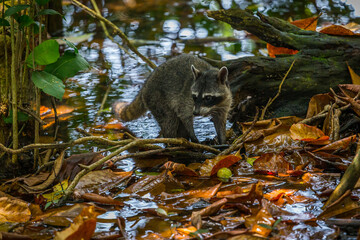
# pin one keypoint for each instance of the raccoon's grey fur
(176, 91)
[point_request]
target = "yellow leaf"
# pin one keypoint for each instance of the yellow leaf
(354, 77)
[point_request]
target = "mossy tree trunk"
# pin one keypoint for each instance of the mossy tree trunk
(321, 63)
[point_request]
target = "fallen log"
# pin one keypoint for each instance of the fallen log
(321, 64)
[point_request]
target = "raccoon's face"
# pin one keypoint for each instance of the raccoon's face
(209, 90)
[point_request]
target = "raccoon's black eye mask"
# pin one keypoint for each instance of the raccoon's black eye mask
(210, 101)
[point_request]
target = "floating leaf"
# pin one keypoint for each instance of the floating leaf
(49, 83)
(67, 65)
(45, 53)
(83, 226)
(271, 163)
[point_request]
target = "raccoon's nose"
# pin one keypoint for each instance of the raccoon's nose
(196, 112)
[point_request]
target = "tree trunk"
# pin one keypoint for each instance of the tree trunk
(320, 65)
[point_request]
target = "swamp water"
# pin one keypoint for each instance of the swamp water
(161, 29)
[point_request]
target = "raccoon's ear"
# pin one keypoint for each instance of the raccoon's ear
(195, 72)
(223, 75)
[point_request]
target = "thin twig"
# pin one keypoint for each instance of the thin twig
(135, 143)
(31, 113)
(271, 100)
(239, 142)
(116, 29)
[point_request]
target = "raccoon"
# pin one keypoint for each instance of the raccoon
(176, 91)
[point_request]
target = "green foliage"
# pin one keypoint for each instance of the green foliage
(15, 9)
(67, 65)
(22, 117)
(4, 22)
(25, 20)
(46, 53)
(49, 83)
(48, 12)
(42, 2)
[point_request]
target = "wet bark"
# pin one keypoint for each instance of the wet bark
(320, 64)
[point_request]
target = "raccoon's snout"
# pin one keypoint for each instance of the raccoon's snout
(196, 111)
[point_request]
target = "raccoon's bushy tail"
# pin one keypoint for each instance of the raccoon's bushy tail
(129, 111)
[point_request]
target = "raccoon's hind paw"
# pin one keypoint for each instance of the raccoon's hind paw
(118, 107)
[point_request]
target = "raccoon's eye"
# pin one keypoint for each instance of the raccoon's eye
(194, 97)
(208, 98)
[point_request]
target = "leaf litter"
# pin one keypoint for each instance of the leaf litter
(281, 178)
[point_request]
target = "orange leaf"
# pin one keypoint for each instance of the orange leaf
(14, 210)
(337, 30)
(317, 104)
(227, 161)
(341, 144)
(83, 226)
(306, 24)
(263, 217)
(180, 169)
(276, 194)
(303, 132)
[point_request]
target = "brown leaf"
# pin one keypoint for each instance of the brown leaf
(226, 161)
(54, 173)
(83, 226)
(198, 193)
(101, 181)
(180, 169)
(306, 133)
(243, 194)
(154, 185)
(92, 197)
(341, 144)
(272, 163)
(317, 104)
(337, 30)
(209, 210)
(71, 166)
(13, 236)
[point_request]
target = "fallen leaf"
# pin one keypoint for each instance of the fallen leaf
(337, 30)
(226, 161)
(271, 162)
(83, 226)
(14, 210)
(303, 132)
(340, 144)
(354, 77)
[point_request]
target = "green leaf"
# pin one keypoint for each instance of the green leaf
(22, 117)
(15, 9)
(49, 83)
(72, 45)
(251, 161)
(265, 226)
(4, 22)
(25, 20)
(46, 53)
(277, 222)
(49, 12)
(42, 2)
(67, 65)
